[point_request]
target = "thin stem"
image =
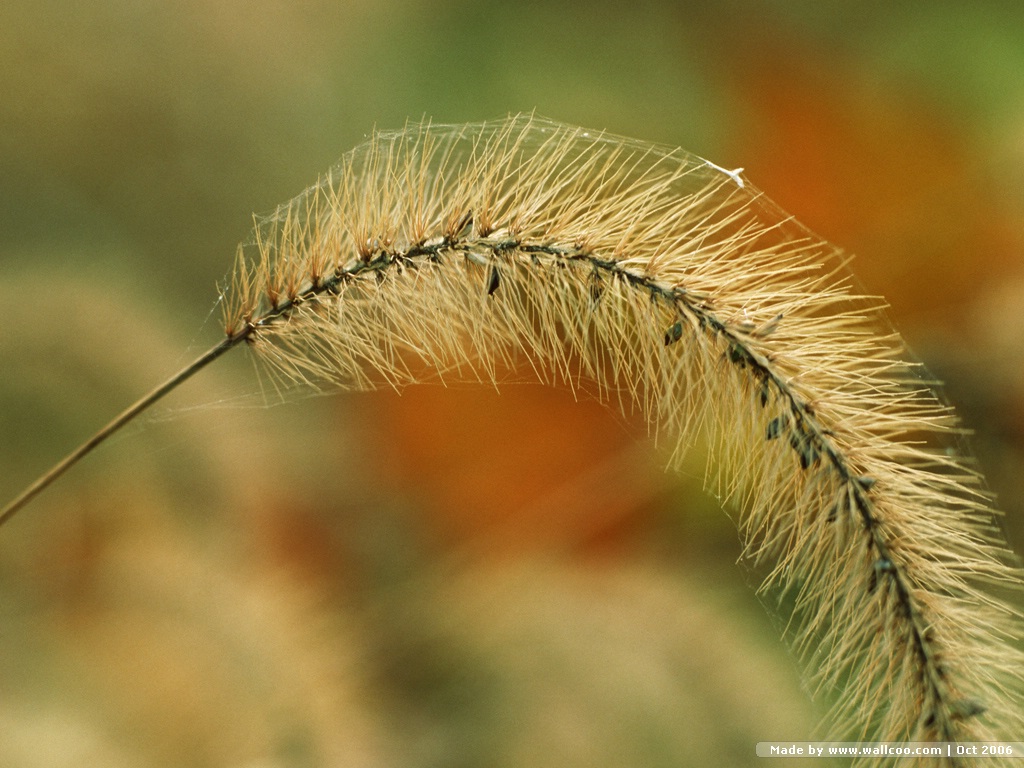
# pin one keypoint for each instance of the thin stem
(119, 421)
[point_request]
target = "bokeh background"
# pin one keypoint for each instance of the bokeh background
(450, 577)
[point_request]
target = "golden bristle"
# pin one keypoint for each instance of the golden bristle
(668, 285)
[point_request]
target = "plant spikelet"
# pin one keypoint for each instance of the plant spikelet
(675, 287)
(666, 285)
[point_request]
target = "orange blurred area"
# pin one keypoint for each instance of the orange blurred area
(890, 177)
(527, 469)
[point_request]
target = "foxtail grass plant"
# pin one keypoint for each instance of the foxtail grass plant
(664, 284)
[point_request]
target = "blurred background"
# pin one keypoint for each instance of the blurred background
(450, 577)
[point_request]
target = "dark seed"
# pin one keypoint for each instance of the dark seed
(738, 355)
(796, 441)
(494, 281)
(882, 565)
(804, 447)
(808, 456)
(866, 483)
(674, 333)
(463, 227)
(964, 708)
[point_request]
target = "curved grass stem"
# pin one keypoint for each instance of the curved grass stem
(115, 424)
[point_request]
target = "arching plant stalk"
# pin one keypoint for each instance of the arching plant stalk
(671, 286)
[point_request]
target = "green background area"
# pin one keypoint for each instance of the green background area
(382, 580)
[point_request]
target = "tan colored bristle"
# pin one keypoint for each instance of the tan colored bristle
(672, 285)
(669, 285)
